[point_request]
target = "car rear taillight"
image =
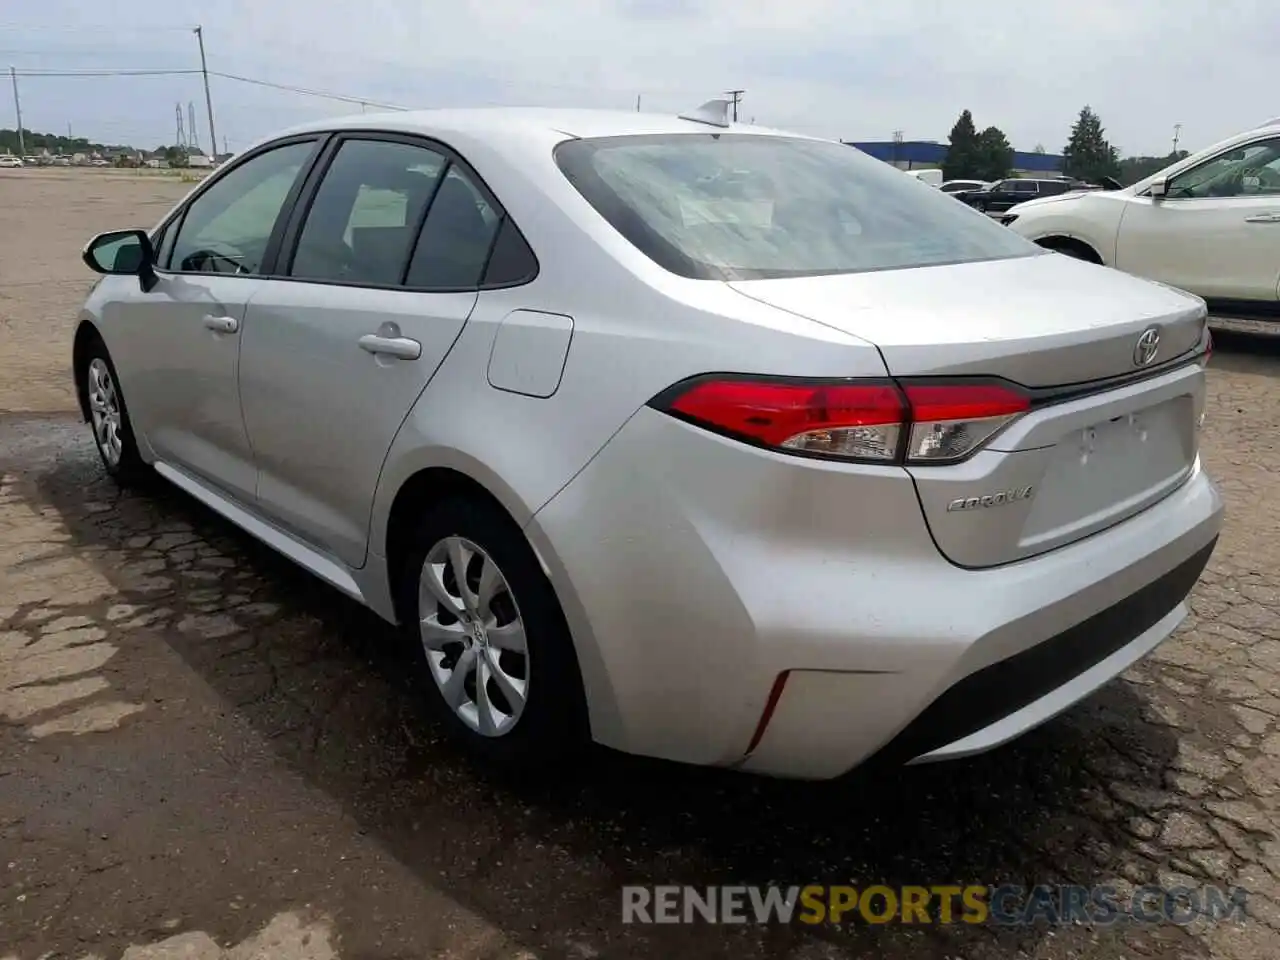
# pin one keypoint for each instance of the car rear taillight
(877, 421)
(950, 421)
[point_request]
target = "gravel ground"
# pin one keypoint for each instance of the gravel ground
(206, 753)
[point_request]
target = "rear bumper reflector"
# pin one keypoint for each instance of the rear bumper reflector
(770, 705)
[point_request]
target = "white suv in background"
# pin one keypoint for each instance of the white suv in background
(1209, 224)
(10, 161)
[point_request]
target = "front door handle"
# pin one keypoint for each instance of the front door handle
(400, 347)
(1263, 218)
(222, 324)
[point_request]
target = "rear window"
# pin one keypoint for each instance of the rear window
(747, 207)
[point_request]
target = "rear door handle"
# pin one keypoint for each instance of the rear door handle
(222, 324)
(1263, 218)
(400, 347)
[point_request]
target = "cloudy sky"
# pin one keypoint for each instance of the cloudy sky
(840, 68)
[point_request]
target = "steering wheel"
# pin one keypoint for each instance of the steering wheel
(217, 252)
(1268, 178)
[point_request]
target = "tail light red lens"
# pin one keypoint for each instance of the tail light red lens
(879, 421)
(861, 421)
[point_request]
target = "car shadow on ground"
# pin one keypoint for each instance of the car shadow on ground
(330, 687)
(1246, 353)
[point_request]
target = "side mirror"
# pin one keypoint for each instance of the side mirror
(1159, 188)
(122, 253)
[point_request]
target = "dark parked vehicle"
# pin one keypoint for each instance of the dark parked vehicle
(1003, 194)
(960, 189)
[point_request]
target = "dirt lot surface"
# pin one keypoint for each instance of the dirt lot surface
(47, 215)
(205, 753)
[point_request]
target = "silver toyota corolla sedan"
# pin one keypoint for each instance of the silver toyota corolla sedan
(702, 441)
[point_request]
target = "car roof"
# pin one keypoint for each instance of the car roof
(508, 125)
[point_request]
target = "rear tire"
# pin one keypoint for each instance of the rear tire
(109, 417)
(497, 659)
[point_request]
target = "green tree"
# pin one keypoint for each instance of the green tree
(994, 159)
(35, 141)
(1088, 155)
(962, 152)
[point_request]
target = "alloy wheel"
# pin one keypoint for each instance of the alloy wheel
(104, 409)
(473, 636)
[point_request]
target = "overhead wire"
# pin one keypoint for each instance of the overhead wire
(39, 72)
(306, 91)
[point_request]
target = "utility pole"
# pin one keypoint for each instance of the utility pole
(1177, 130)
(17, 108)
(737, 99)
(182, 134)
(208, 97)
(897, 142)
(638, 102)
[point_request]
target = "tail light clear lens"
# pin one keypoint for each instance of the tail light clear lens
(951, 421)
(877, 421)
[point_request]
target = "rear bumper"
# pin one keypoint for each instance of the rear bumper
(1002, 701)
(694, 571)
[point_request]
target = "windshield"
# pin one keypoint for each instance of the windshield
(747, 207)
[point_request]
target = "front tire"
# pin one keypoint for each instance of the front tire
(109, 418)
(498, 662)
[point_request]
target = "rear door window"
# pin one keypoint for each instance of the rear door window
(366, 213)
(456, 238)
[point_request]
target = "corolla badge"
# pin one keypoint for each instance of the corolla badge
(990, 499)
(1148, 345)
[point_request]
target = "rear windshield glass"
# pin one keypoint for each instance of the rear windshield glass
(750, 207)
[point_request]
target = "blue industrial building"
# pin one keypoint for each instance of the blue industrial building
(918, 154)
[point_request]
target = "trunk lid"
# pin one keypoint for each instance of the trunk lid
(1097, 446)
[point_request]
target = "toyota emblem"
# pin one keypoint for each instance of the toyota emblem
(1148, 345)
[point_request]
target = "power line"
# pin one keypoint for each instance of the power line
(40, 73)
(91, 28)
(90, 72)
(305, 91)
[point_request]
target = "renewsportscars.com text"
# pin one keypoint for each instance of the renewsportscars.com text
(1006, 905)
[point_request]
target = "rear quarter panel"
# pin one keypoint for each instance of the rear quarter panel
(629, 342)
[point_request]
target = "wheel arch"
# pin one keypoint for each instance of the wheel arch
(1066, 242)
(423, 487)
(86, 334)
(458, 475)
